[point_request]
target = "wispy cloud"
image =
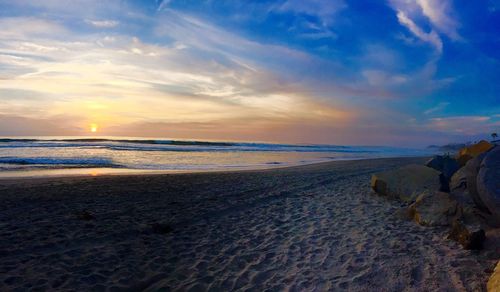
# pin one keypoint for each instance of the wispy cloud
(162, 4)
(104, 76)
(103, 23)
(464, 125)
(322, 9)
(439, 16)
(437, 108)
(314, 19)
(322, 67)
(24, 27)
(431, 37)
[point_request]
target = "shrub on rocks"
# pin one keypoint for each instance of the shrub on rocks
(469, 152)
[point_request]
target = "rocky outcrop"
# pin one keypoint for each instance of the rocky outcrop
(469, 235)
(488, 183)
(463, 183)
(445, 164)
(467, 153)
(494, 281)
(434, 209)
(84, 215)
(406, 183)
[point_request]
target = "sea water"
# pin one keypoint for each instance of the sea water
(21, 156)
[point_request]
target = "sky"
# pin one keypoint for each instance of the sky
(375, 72)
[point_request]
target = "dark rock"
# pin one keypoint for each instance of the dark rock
(444, 184)
(488, 183)
(462, 159)
(470, 236)
(463, 182)
(434, 209)
(445, 164)
(458, 181)
(84, 215)
(406, 183)
(161, 228)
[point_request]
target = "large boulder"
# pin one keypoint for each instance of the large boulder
(445, 164)
(434, 209)
(469, 152)
(494, 281)
(488, 183)
(469, 235)
(406, 183)
(463, 182)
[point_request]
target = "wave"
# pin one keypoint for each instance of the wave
(174, 145)
(235, 149)
(71, 161)
(135, 141)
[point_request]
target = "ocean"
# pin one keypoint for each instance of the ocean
(32, 156)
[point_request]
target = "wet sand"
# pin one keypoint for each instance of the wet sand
(309, 228)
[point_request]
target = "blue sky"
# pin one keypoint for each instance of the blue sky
(394, 72)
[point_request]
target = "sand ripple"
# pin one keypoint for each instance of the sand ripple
(312, 228)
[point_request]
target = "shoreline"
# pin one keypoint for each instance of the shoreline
(85, 172)
(312, 227)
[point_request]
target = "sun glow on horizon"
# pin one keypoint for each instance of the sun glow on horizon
(238, 71)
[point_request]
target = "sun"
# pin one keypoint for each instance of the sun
(93, 128)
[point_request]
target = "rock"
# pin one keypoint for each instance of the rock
(470, 236)
(494, 281)
(488, 183)
(406, 183)
(161, 228)
(445, 164)
(463, 182)
(84, 215)
(472, 151)
(462, 159)
(444, 184)
(434, 209)
(458, 181)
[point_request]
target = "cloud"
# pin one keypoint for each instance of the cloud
(431, 37)
(60, 9)
(313, 19)
(439, 13)
(12, 125)
(463, 125)
(213, 75)
(322, 9)
(439, 107)
(162, 4)
(193, 76)
(439, 16)
(267, 64)
(25, 27)
(103, 23)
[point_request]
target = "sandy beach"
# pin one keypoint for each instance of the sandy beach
(309, 228)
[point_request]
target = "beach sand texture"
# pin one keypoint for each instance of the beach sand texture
(309, 228)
